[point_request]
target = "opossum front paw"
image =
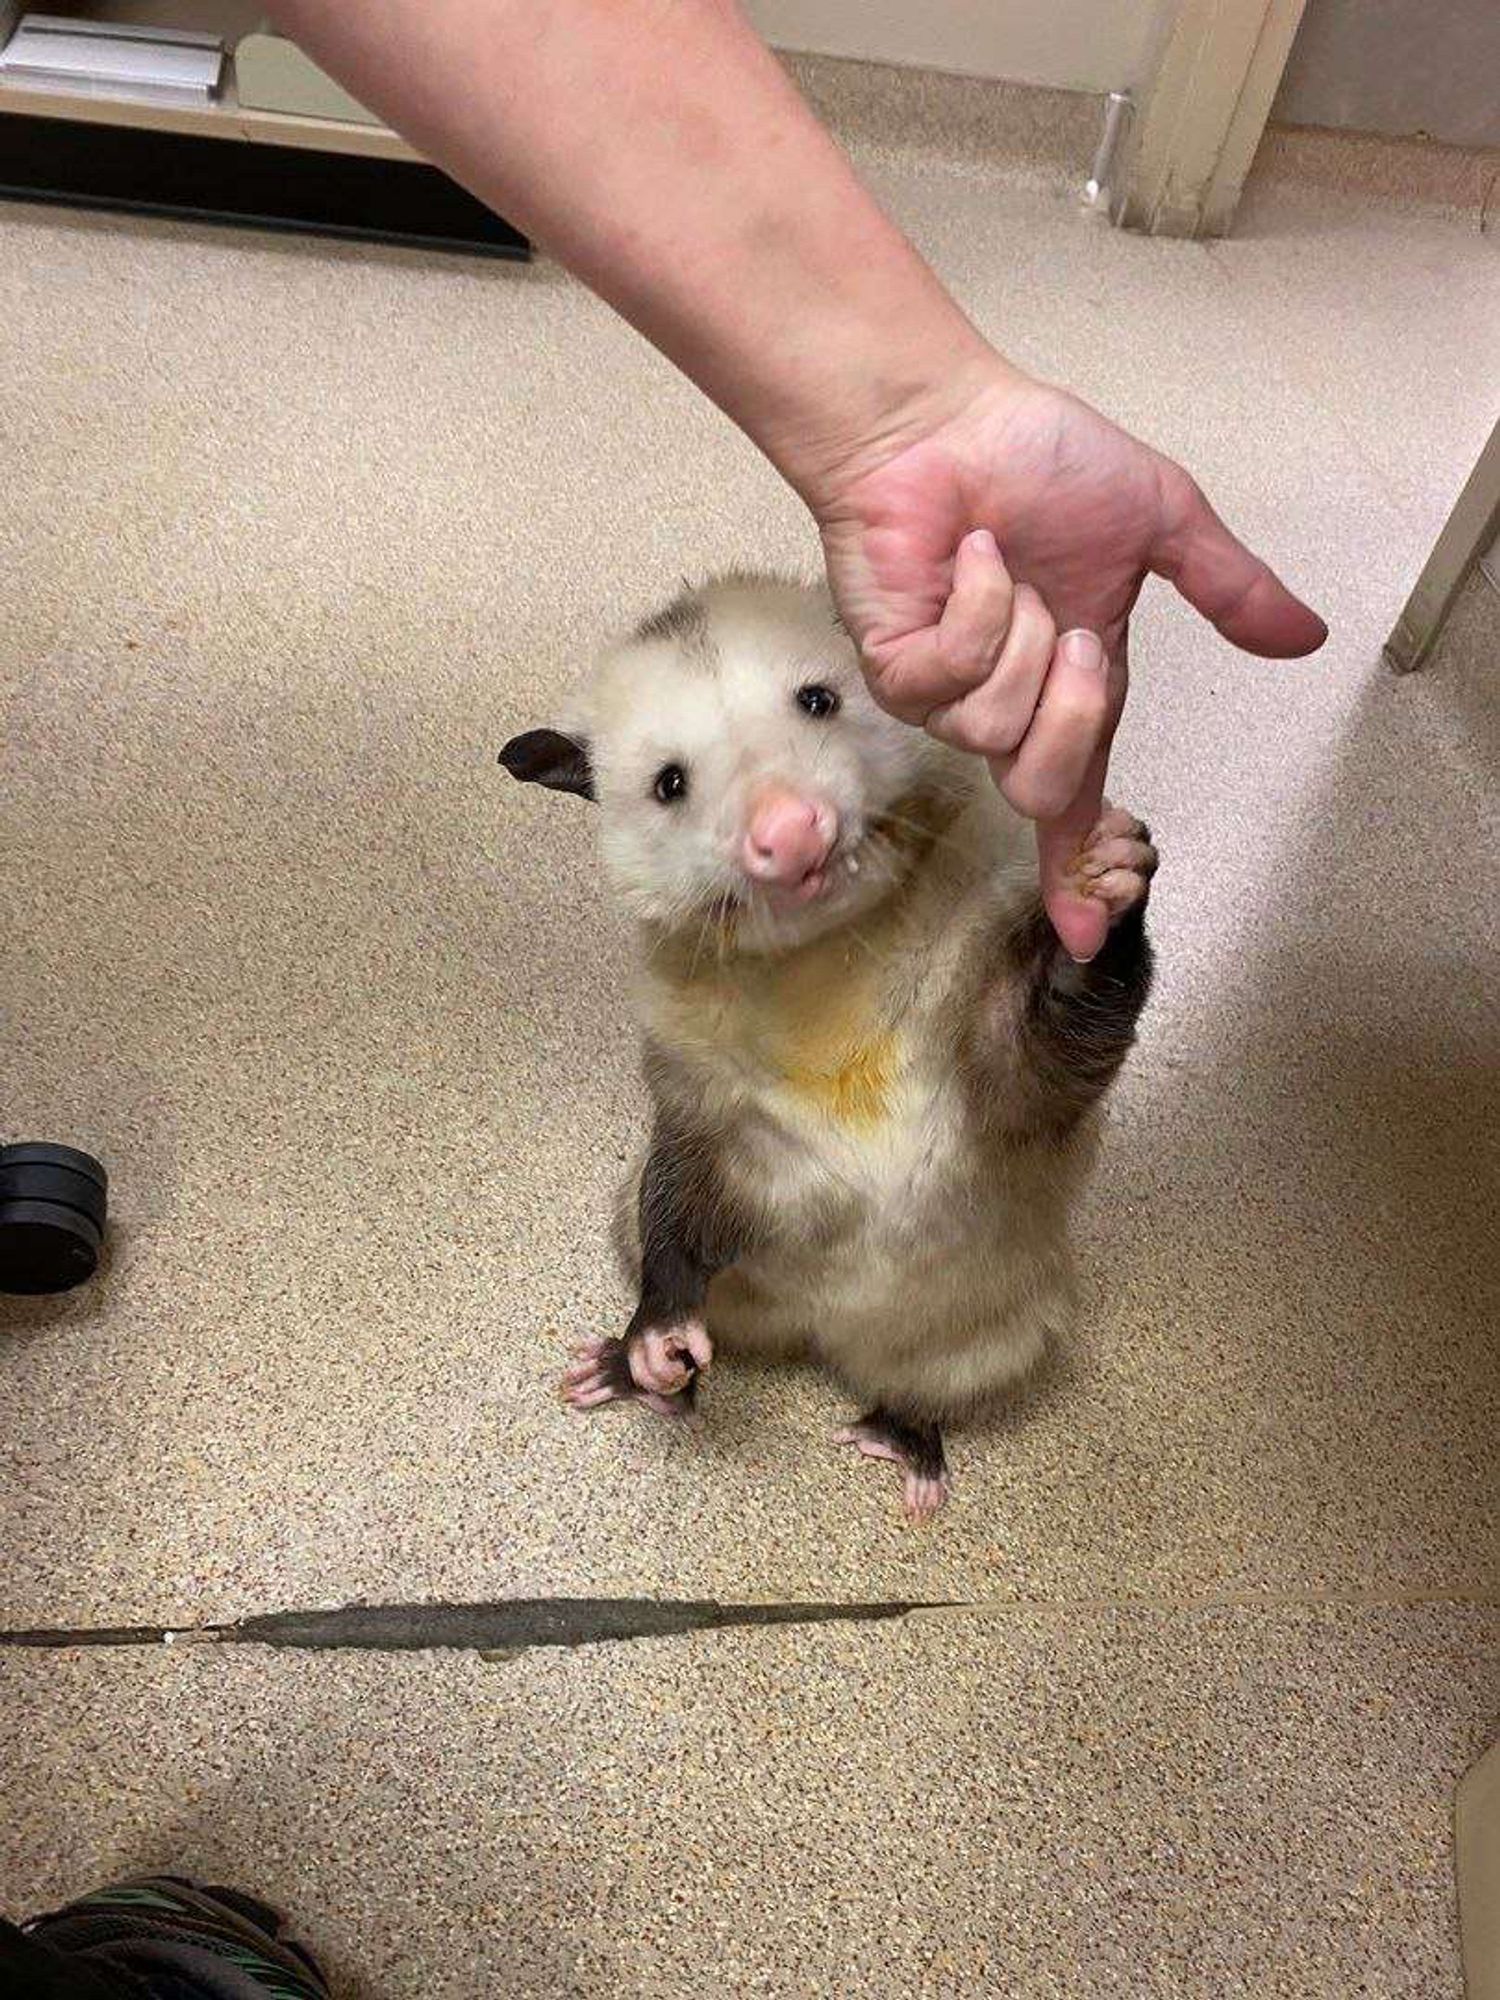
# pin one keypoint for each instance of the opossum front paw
(1116, 863)
(916, 1448)
(657, 1367)
(664, 1360)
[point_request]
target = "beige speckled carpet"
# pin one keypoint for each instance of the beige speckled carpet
(293, 536)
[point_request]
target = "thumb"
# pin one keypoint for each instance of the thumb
(1080, 921)
(1233, 589)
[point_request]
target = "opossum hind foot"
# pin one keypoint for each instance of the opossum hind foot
(916, 1448)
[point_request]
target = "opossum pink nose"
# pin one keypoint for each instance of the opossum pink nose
(788, 838)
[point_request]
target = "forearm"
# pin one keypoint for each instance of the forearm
(656, 148)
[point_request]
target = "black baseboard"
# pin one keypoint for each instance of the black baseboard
(246, 184)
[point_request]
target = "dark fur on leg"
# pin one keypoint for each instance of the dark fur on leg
(1058, 1031)
(921, 1445)
(687, 1231)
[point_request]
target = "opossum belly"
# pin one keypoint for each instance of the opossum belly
(756, 1307)
(935, 1313)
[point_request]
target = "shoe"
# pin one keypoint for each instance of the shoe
(184, 1938)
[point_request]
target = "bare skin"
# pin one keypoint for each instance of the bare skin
(659, 151)
(1084, 512)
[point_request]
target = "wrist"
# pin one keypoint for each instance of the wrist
(895, 399)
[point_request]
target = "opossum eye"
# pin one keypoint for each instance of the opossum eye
(817, 700)
(671, 784)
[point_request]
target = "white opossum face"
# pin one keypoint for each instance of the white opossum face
(745, 776)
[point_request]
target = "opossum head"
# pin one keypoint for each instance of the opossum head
(745, 778)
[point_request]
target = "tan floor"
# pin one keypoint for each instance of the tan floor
(1141, 1803)
(296, 535)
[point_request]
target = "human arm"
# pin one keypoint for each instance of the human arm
(657, 149)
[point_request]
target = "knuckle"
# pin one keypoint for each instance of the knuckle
(893, 691)
(967, 727)
(1031, 621)
(963, 654)
(1039, 794)
(992, 741)
(1003, 739)
(1003, 727)
(1001, 715)
(1074, 719)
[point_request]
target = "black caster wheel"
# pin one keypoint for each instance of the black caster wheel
(52, 1201)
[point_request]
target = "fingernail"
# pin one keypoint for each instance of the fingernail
(1081, 648)
(1084, 958)
(982, 542)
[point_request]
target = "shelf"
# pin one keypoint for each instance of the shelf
(224, 118)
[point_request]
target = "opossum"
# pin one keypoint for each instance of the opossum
(871, 1064)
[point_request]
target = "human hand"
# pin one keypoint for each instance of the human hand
(966, 644)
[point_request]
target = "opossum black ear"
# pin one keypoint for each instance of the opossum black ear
(547, 757)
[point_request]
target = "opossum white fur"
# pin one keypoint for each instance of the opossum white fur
(882, 1098)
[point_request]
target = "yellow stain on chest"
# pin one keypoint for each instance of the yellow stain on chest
(858, 1091)
(811, 1023)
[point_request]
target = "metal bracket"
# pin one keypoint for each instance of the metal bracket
(1118, 107)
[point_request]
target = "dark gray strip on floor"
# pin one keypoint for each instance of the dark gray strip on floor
(510, 1625)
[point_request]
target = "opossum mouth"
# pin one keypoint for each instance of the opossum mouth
(732, 904)
(887, 845)
(796, 895)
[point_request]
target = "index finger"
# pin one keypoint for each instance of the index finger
(1080, 921)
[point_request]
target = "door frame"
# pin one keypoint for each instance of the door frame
(1470, 534)
(1200, 117)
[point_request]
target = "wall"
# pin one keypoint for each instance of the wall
(1397, 66)
(1093, 45)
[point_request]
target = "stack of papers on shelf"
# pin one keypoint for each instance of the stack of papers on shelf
(175, 65)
